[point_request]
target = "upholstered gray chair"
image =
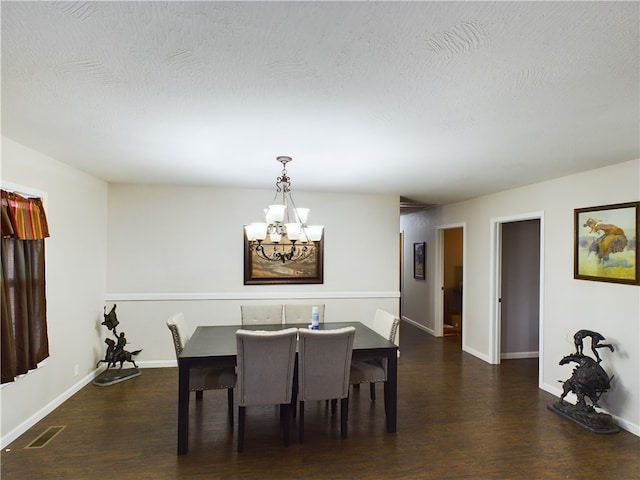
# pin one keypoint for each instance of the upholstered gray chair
(266, 363)
(295, 313)
(202, 377)
(324, 360)
(260, 314)
(372, 370)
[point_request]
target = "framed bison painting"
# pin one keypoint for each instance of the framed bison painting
(606, 243)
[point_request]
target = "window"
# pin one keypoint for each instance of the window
(23, 304)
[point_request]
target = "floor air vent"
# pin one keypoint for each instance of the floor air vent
(44, 439)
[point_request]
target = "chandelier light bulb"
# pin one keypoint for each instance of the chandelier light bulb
(314, 232)
(275, 237)
(275, 214)
(302, 214)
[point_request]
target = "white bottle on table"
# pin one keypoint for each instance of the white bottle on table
(315, 318)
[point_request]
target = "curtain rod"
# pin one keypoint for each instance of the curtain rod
(22, 190)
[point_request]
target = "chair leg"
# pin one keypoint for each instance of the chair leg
(386, 401)
(294, 401)
(372, 389)
(230, 405)
(286, 416)
(334, 405)
(344, 413)
(301, 422)
(240, 428)
(294, 390)
(199, 394)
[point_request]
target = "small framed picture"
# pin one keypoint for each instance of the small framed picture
(419, 255)
(606, 243)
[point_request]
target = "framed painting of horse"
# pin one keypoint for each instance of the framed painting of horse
(606, 243)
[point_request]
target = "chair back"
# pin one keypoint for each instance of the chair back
(295, 313)
(261, 314)
(181, 331)
(385, 324)
(266, 362)
(324, 362)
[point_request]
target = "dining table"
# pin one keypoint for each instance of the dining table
(215, 345)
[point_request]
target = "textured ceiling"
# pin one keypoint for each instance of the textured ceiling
(435, 101)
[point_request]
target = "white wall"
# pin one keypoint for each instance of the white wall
(175, 248)
(76, 206)
(569, 305)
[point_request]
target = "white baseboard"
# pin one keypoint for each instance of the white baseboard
(518, 355)
(46, 410)
(476, 353)
(419, 325)
(158, 364)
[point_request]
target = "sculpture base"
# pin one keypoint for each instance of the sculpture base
(589, 419)
(111, 376)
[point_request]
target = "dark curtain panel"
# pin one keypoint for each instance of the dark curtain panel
(24, 339)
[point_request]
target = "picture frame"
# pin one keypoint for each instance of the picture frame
(606, 243)
(259, 271)
(419, 256)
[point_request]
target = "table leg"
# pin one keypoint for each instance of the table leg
(391, 391)
(183, 407)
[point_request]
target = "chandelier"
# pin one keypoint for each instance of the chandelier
(290, 238)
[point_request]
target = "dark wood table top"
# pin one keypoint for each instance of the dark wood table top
(219, 341)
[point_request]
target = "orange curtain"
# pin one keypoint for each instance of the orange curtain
(23, 304)
(23, 217)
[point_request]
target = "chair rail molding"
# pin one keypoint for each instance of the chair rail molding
(154, 297)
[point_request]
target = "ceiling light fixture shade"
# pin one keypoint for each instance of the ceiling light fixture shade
(285, 235)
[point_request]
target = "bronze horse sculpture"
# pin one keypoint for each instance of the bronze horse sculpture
(115, 355)
(115, 348)
(588, 380)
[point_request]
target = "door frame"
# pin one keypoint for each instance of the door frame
(439, 278)
(495, 282)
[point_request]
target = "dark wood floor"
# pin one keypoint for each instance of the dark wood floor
(458, 418)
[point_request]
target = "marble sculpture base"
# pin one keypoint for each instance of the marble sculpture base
(113, 375)
(589, 419)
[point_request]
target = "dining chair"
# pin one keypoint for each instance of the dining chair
(261, 314)
(373, 370)
(202, 377)
(296, 313)
(266, 362)
(324, 359)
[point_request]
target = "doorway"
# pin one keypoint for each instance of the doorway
(516, 317)
(450, 280)
(520, 289)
